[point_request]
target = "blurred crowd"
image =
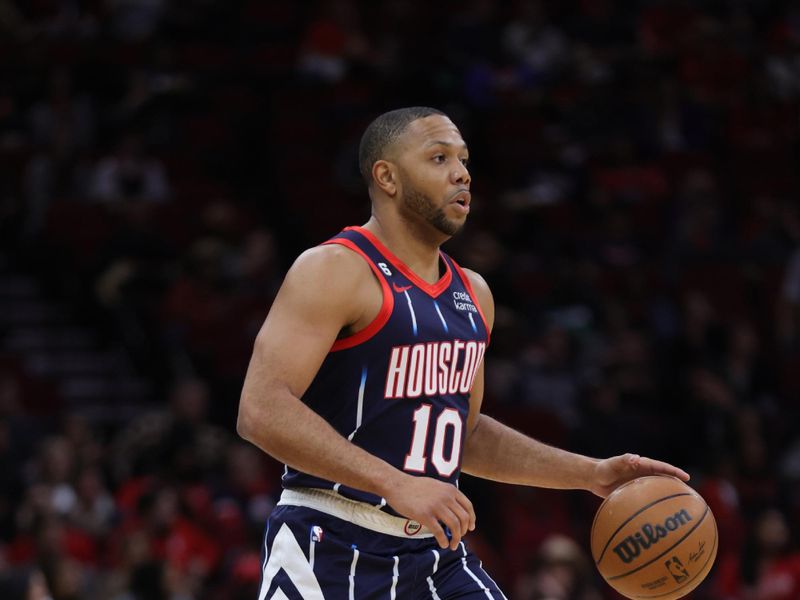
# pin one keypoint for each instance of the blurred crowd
(636, 212)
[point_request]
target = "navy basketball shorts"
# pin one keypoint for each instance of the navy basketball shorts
(322, 546)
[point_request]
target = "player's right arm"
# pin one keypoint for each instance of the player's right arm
(330, 289)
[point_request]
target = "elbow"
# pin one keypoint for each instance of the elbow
(253, 427)
(262, 415)
(245, 421)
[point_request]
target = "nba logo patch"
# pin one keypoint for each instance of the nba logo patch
(412, 528)
(316, 533)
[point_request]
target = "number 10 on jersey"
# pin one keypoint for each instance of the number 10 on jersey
(444, 463)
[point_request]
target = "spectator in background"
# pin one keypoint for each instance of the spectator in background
(183, 554)
(62, 129)
(64, 119)
(178, 442)
(561, 571)
(248, 487)
(537, 45)
(24, 584)
(740, 365)
(768, 567)
(550, 381)
(57, 470)
(699, 229)
(333, 42)
(19, 436)
(155, 580)
(129, 174)
(718, 488)
(94, 510)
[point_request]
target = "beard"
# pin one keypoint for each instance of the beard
(424, 207)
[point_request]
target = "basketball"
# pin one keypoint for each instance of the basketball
(654, 537)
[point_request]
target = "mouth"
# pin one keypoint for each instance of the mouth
(462, 199)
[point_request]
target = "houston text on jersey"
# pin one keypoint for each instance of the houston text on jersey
(432, 368)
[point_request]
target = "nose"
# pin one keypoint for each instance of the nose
(460, 175)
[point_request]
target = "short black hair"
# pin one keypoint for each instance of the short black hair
(383, 131)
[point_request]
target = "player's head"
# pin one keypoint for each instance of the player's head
(415, 160)
(383, 132)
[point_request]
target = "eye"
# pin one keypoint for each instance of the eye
(464, 161)
(439, 158)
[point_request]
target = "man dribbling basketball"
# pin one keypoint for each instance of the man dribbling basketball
(367, 379)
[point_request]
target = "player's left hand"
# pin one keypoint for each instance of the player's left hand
(611, 473)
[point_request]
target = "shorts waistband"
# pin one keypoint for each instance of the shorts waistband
(358, 513)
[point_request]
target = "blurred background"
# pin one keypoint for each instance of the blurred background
(635, 210)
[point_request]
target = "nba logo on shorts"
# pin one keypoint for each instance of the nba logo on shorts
(316, 533)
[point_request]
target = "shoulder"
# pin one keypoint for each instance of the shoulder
(329, 281)
(482, 292)
(329, 265)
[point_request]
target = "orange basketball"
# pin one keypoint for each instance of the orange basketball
(654, 537)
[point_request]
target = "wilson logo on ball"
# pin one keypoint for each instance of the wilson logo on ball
(630, 547)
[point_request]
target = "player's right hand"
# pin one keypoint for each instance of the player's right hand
(434, 504)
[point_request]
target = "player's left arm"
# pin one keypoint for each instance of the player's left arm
(498, 452)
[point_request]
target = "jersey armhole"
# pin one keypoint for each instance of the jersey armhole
(384, 313)
(468, 284)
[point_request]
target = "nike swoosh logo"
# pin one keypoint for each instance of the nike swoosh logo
(400, 288)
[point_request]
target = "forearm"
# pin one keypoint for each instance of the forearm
(286, 429)
(495, 451)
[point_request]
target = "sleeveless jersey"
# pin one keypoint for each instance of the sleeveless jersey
(400, 388)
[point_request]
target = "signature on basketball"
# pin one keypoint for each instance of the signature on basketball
(650, 534)
(695, 556)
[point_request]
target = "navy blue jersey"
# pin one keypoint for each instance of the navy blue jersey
(400, 388)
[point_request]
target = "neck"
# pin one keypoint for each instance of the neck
(413, 244)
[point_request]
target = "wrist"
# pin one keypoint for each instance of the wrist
(389, 481)
(590, 477)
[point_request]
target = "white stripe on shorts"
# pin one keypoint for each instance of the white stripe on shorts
(353, 574)
(431, 587)
(471, 574)
(395, 577)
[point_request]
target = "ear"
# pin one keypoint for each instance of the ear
(384, 177)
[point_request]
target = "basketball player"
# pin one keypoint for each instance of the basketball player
(367, 378)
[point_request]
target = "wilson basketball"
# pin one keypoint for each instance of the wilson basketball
(654, 537)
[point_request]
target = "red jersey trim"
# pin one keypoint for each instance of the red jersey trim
(468, 284)
(383, 314)
(434, 290)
